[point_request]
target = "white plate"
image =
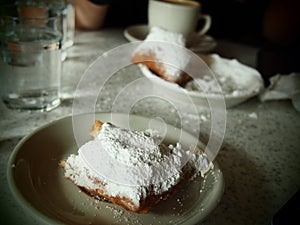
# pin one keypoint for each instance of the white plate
(203, 44)
(248, 79)
(39, 184)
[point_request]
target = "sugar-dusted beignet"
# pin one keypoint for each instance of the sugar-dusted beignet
(132, 169)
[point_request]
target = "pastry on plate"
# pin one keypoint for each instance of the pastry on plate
(132, 169)
(162, 52)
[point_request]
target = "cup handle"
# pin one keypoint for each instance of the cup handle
(207, 24)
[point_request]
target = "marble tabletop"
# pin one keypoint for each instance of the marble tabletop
(259, 157)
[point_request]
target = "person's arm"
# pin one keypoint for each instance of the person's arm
(90, 15)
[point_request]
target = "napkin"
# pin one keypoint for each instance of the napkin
(283, 87)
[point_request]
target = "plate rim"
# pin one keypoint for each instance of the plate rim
(25, 205)
(39, 216)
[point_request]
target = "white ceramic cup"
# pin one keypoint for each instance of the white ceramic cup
(179, 16)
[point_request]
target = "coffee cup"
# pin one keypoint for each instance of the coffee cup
(179, 16)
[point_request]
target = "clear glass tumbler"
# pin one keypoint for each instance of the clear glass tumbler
(30, 62)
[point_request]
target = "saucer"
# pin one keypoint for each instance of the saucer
(199, 44)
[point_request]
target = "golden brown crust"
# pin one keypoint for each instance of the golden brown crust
(149, 59)
(62, 163)
(146, 204)
(95, 129)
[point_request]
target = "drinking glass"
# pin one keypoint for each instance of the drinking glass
(30, 62)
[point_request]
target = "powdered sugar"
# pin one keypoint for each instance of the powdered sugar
(234, 78)
(129, 162)
(130, 148)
